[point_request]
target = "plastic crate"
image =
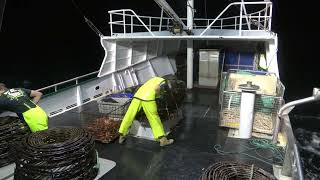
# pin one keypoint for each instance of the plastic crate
(121, 95)
(115, 105)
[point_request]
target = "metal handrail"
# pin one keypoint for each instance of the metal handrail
(196, 19)
(291, 164)
(285, 109)
(155, 25)
(76, 79)
(169, 18)
(232, 4)
(283, 115)
(258, 16)
(123, 13)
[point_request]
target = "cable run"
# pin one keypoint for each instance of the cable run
(257, 145)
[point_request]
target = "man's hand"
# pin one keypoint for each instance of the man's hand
(36, 96)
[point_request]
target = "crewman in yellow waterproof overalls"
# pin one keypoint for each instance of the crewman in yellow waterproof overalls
(24, 103)
(145, 99)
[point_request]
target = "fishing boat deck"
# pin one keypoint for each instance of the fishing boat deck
(193, 150)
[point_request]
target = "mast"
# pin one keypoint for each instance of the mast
(2, 7)
(190, 15)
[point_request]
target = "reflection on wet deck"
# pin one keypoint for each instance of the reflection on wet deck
(193, 150)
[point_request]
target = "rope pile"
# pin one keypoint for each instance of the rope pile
(57, 153)
(11, 130)
(257, 145)
(235, 171)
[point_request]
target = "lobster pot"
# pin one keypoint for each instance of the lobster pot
(115, 105)
(168, 104)
(264, 111)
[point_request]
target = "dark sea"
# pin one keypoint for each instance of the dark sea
(307, 133)
(309, 147)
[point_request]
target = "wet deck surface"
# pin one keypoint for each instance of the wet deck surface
(193, 150)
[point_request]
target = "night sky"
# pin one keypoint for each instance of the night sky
(48, 41)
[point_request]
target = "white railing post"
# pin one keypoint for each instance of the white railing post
(249, 22)
(150, 27)
(245, 14)
(259, 20)
(265, 17)
(131, 24)
(240, 23)
(144, 25)
(160, 25)
(270, 17)
(78, 95)
(221, 23)
(111, 30)
(235, 24)
(55, 88)
(124, 22)
(208, 27)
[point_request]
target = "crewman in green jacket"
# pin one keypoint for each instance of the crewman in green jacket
(145, 98)
(24, 103)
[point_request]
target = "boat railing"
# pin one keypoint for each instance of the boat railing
(128, 13)
(125, 21)
(73, 81)
(261, 20)
(291, 166)
(67, 95)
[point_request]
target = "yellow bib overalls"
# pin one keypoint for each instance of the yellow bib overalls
(145, 98)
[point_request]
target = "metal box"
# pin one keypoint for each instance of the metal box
(208, 67)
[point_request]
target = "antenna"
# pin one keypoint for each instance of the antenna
(90, 24)
(93, 27)
(2, 7)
